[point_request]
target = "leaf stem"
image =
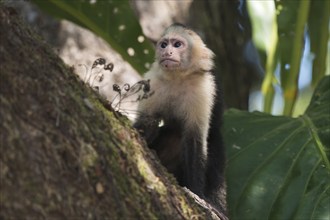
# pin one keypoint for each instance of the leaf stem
(318, 142)
(291, 84)
(267, 87)
(319, 64)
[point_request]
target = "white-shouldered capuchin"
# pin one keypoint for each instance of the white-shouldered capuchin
(182, 120)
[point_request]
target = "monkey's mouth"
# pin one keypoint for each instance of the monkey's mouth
(169, 63)
(168, 60)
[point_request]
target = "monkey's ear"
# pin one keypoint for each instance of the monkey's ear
(204, 58)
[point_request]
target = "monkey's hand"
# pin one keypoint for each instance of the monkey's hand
(148, 127)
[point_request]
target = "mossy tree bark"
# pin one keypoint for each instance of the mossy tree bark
(63, 154)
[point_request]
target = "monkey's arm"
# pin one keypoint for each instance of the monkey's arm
(194, 153)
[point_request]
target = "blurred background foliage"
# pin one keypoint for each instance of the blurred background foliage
(114, 21)
(292, 39)
(294, 36)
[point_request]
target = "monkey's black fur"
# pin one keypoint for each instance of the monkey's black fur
(215, 187)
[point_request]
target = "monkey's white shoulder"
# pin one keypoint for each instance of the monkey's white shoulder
(189, 97)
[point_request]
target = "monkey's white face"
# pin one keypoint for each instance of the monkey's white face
(173, 53)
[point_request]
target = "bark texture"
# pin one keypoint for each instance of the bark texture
(64, 155)
(227, 30)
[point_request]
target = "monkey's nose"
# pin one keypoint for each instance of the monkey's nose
(167, 54)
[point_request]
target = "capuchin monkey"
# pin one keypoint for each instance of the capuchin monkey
(181, 121)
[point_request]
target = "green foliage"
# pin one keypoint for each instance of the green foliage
(285, 46)
(114, 21)
(278, 166)
(265, 38)
(318, 24)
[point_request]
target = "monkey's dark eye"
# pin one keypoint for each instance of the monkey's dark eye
(177, 44)
(163, 45)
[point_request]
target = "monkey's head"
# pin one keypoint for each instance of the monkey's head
(181, 50)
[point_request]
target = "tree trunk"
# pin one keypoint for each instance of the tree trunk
(64, 155)
(227, 31)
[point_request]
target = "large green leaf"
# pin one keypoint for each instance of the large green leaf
(114, 21)
(278, 167)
